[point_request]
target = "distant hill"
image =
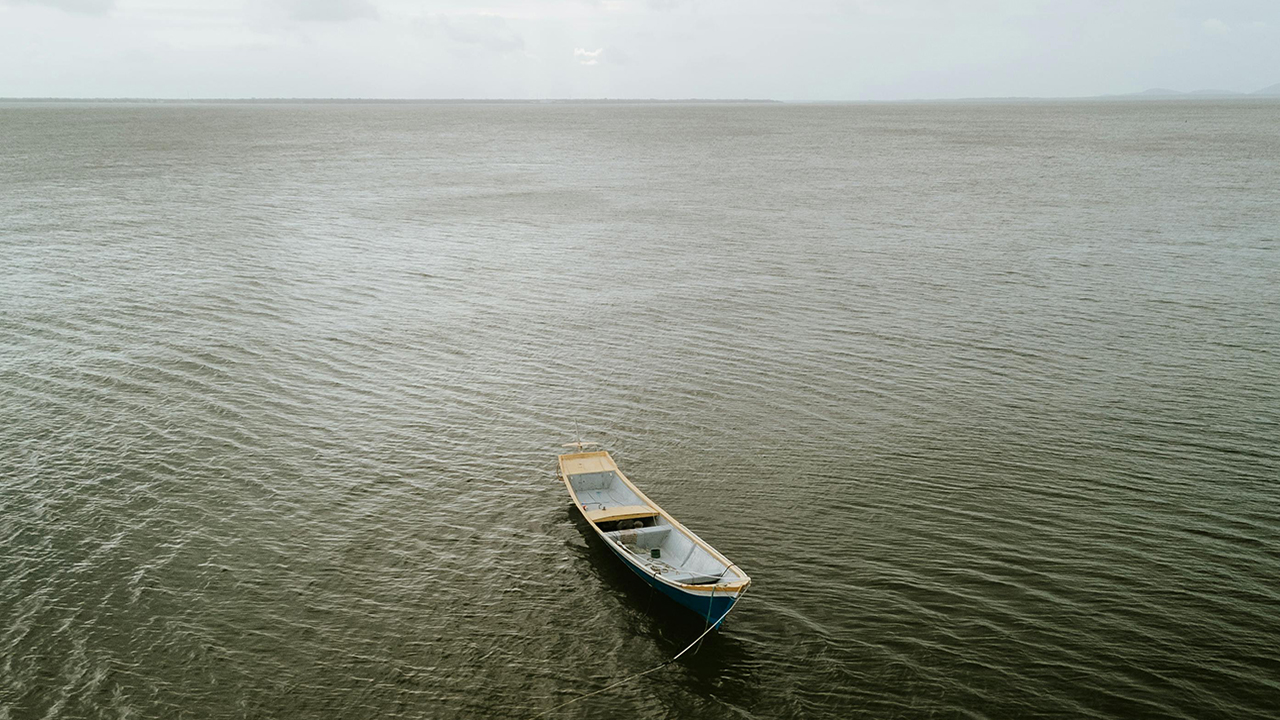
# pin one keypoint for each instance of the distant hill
(1161, 93)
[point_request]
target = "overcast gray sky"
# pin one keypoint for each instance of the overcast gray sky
(797, 50)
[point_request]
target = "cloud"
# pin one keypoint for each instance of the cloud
(491, 32)
(606, 5)
(1215, 26)
(668, 4)
(588, 57)
(329, 10)
(87, 7)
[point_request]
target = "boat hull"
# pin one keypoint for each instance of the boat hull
(713, 607)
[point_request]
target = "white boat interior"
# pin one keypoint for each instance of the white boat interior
(636, 527)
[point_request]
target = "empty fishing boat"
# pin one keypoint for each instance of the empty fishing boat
(664, 553)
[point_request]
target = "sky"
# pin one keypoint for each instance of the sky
(797, 50)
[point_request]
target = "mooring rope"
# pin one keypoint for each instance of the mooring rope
(713, 601)
(654, 668)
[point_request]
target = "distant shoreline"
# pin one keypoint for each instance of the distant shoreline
(388, 101)
(1133, 97)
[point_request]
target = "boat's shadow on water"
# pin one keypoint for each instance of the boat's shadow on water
(719, 663)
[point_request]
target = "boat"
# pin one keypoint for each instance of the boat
(665, 554)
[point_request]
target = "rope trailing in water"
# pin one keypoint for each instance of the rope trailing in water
(712, 602)
(652, 669)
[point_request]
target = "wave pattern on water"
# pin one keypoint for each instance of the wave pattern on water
(984, 397)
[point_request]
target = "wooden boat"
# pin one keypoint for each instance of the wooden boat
(664, 553)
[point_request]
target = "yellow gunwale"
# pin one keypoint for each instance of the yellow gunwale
(600, 461)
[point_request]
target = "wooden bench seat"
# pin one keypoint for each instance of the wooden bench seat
(620, 512)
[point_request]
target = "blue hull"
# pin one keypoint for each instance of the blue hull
(712, 609)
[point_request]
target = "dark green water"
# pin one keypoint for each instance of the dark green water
(985, 398)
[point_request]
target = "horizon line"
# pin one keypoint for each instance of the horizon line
(1146, 95)
(381, 100)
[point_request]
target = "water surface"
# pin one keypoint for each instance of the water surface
(985, 398)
